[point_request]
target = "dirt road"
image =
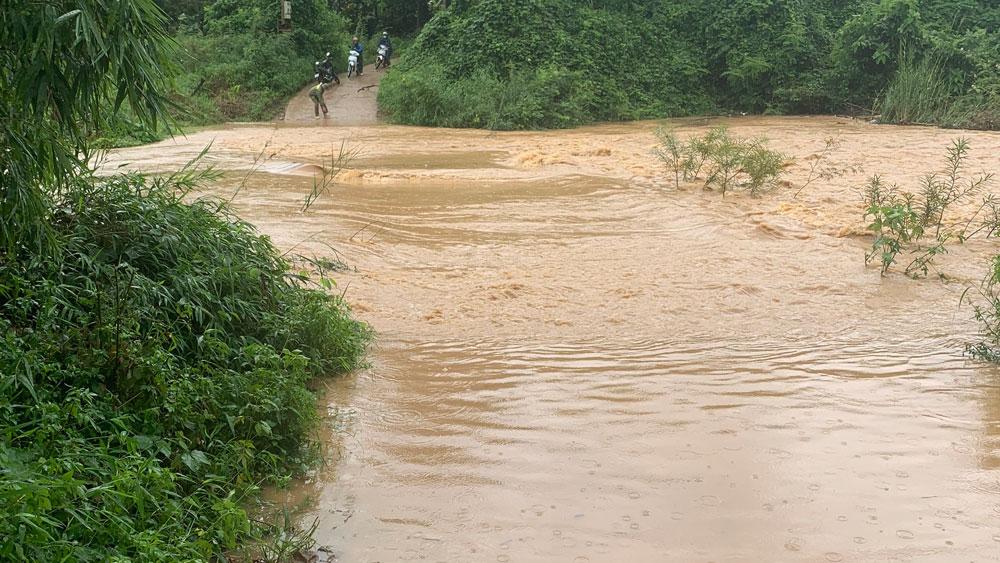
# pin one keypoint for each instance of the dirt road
(350, 103)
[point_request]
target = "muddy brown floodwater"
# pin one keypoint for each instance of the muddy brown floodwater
(577, 362)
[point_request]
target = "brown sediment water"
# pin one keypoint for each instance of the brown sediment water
(577, 362)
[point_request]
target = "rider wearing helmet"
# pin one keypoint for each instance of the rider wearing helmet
(388, 46)
(357, 46)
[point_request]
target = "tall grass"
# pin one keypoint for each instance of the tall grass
(921, 93)
(153, 375)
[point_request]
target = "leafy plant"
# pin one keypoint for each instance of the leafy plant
(987, 312)
(901, 220)
(635, 60)
(762, 167)
(154, 351)
(728, 161)
(674, 154)
(724, 156)
(893, 221)
(154, 375)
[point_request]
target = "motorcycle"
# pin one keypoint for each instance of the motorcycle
(352, 62)
(383, 57)
(324, 71)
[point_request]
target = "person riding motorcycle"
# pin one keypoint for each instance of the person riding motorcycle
(357, 46)
(384, 41)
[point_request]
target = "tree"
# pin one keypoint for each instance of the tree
(69, 67)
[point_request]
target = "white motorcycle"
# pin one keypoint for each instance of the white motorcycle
(352, 63)
(383, 57)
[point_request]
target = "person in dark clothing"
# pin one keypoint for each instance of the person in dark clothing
(357, 46)
(388, 46)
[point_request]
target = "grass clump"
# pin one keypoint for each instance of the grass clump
(728, 161)
(920, 93)
(153, 374)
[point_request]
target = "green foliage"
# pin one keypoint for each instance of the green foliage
(154, 354)
(541, 63)
(728, 161)
(152, 375)
(765, 55)
(901, 220)
(375, 16)
(869, 46)
(239, 68)
(636, 60)
(921, 93)
(987, 312)
(761, 165)
(893, 220)
(674, 154)
(69, 67)
(548, 97)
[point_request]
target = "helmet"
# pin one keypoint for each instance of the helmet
(385, 34)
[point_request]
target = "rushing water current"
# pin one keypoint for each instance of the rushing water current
(577, 362)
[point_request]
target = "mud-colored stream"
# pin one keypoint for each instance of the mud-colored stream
(578, 363)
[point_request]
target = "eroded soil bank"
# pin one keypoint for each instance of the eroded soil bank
(577, 362)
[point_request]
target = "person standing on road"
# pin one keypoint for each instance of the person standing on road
(316, 94)
(357, 46)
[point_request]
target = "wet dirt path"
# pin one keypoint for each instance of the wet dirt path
(352, 102)
(577, 362)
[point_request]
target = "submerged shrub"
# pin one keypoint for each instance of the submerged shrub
(728, 161)
(674, 154)
(987, 312)
(901, 220)
(153, 374)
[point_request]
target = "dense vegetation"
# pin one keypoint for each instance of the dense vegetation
(552, 63)
(154, 354)
(235, 65)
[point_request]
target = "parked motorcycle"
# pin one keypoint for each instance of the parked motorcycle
(325, 72)
(352, 63)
